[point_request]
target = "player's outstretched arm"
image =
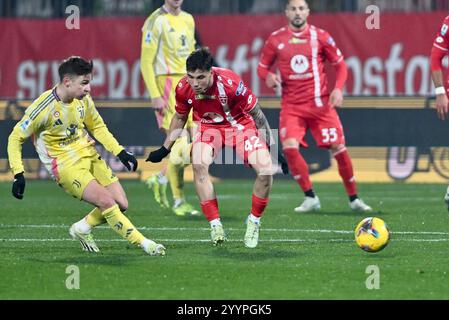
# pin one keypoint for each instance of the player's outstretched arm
(22, 130)
(176, 125)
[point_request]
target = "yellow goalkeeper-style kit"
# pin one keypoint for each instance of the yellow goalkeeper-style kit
(167, 41)
(62, 142)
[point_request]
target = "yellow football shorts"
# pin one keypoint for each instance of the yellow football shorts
(75, 178)
(167, 86)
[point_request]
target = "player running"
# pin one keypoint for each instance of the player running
(58, 120)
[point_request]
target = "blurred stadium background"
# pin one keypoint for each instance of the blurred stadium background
(392, 132)
(100, 8)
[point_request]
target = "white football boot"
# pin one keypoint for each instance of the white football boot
(252, 234)
(153, 248)
(217, 235)
(86, 239)
(309, 204)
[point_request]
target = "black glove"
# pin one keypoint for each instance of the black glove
(18, 186)
(158, 155)
(283, 162)
(126, 157)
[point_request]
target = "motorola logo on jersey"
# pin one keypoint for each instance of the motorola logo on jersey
(299, 63)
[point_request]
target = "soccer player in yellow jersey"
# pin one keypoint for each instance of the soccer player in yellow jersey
(58, 120)
(168, 37)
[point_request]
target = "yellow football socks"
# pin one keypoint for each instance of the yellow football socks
(179, 159)
(175, 175)
(121, 224)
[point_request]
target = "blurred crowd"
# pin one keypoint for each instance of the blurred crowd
(57, 8)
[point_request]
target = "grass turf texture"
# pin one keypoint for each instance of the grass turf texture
(300, 256)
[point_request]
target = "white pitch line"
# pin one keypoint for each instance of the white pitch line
(290, 196)
(43, 226)
(161, 240)
(208, 240)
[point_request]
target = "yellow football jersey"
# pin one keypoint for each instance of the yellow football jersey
(59, 132)
(167, 41)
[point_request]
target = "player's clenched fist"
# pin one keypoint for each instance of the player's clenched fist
(158, 155)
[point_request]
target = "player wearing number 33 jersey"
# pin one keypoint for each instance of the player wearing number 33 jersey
(300, 51)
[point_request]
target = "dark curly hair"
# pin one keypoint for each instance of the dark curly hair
(200, 59)
(75, 66)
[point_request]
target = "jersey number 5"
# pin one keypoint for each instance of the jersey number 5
(329, 135)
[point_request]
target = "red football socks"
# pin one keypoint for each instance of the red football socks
(210, 209)
(298, 167)
(346, 171)
(258, 205)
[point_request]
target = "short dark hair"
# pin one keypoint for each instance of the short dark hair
(200, 59)
(75, 66)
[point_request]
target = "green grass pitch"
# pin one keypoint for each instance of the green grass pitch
(300, 256)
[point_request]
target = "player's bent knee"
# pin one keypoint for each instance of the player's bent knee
(200, 171)
(105, 201)
(200, 168)
(290, 143)
(261, 162)
(104, 204)
(123, 205)
(337, 148)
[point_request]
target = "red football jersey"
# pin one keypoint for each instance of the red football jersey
(225, 104)
(300, 58)
(442, 39)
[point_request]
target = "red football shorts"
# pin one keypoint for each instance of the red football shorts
(244, 139)
(324, 124)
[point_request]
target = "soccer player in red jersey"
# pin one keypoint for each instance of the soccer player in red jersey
(440, 49)
(228, 114)
(300, 51)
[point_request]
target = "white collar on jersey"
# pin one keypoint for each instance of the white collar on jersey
(297, 34)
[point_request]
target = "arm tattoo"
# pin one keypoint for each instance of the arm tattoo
(262, 124)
